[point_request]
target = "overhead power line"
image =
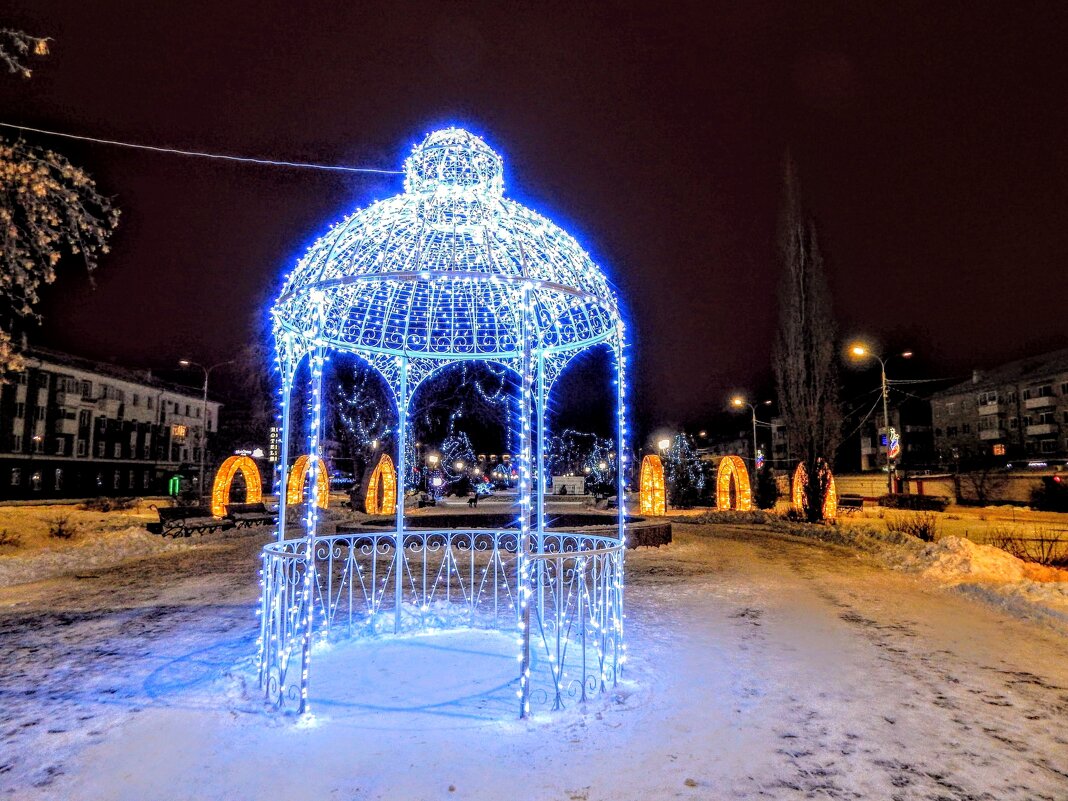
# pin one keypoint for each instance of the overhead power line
(201, 154)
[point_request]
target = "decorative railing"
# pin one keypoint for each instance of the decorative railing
(564, 593)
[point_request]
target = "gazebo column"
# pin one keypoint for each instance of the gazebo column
(619, 650)
(402, 438)
(311, 517)
(283, 445)
(539, 410)
(524, 552)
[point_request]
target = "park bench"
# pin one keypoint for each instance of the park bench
(250, 514)
(849, 504)
(175, 521)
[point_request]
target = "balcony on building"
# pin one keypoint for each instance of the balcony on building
(991, 408)
(992, 433)
(1039, 402)
(1042, 429)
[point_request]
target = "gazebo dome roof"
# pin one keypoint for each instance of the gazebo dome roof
(440, 270)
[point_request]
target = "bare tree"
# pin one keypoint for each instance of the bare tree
(48, 208)
(804, 357)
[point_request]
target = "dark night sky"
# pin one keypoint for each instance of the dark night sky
(932, 140)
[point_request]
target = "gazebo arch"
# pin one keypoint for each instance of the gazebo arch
(449, 270)
(383, 478)
(830, 499)
(220, 490)
(652, 494)
(732, 468)
(298, 476)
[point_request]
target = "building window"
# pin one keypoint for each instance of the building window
(136, 399)
(83, 418)
(131, 483)
(61, 446)
(117, 450)
(1047, 446)
(39, 413)
(146, 480)
(951, 431)
(83, 447)
(23, 378)
(198, 411)
(16, 474)
(966, 428)
(1064, 388)
(20, 410)
(116, 480)
(101, 448)
(187, 410)
(38, 443)
(16, 443)
(35, 481)
(59, 478)
(147, 450)
(988, 398)
(87, 390)
(1013, 423)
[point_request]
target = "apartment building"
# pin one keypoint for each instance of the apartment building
(70, 427)
(1016, 411)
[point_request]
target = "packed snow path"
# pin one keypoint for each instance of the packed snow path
(762, 667)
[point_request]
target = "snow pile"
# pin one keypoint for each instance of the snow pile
(84, 553)
(953, 560)
(994, 576)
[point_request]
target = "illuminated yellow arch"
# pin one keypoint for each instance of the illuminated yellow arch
(384, 477)
(220, 490)
(652, 496)
(733, 467)
(299, 475)
(830, 500)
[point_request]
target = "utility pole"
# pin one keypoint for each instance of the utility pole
(204, 414)
(862, 351)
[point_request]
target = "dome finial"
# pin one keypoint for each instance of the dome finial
(453, 159)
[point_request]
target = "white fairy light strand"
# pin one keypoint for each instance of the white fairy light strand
(174, 151)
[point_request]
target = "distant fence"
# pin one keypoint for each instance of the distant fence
(1000, 487)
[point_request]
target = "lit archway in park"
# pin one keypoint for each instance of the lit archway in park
(298, 475)
(732, 468)
(652, 495)
(384, 483)
(220, 490)
(830, 500)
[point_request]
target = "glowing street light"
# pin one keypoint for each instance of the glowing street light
(432, 459)
(861, 351)
(738, 401)
(664, 444)
(458, 464)
(602, 465)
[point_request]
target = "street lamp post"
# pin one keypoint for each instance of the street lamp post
(739, 402)
(204, 445)
(861, 352)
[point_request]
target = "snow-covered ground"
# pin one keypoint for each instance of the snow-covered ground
(761, 667)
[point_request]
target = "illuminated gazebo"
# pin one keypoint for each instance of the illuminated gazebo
(448, 271)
